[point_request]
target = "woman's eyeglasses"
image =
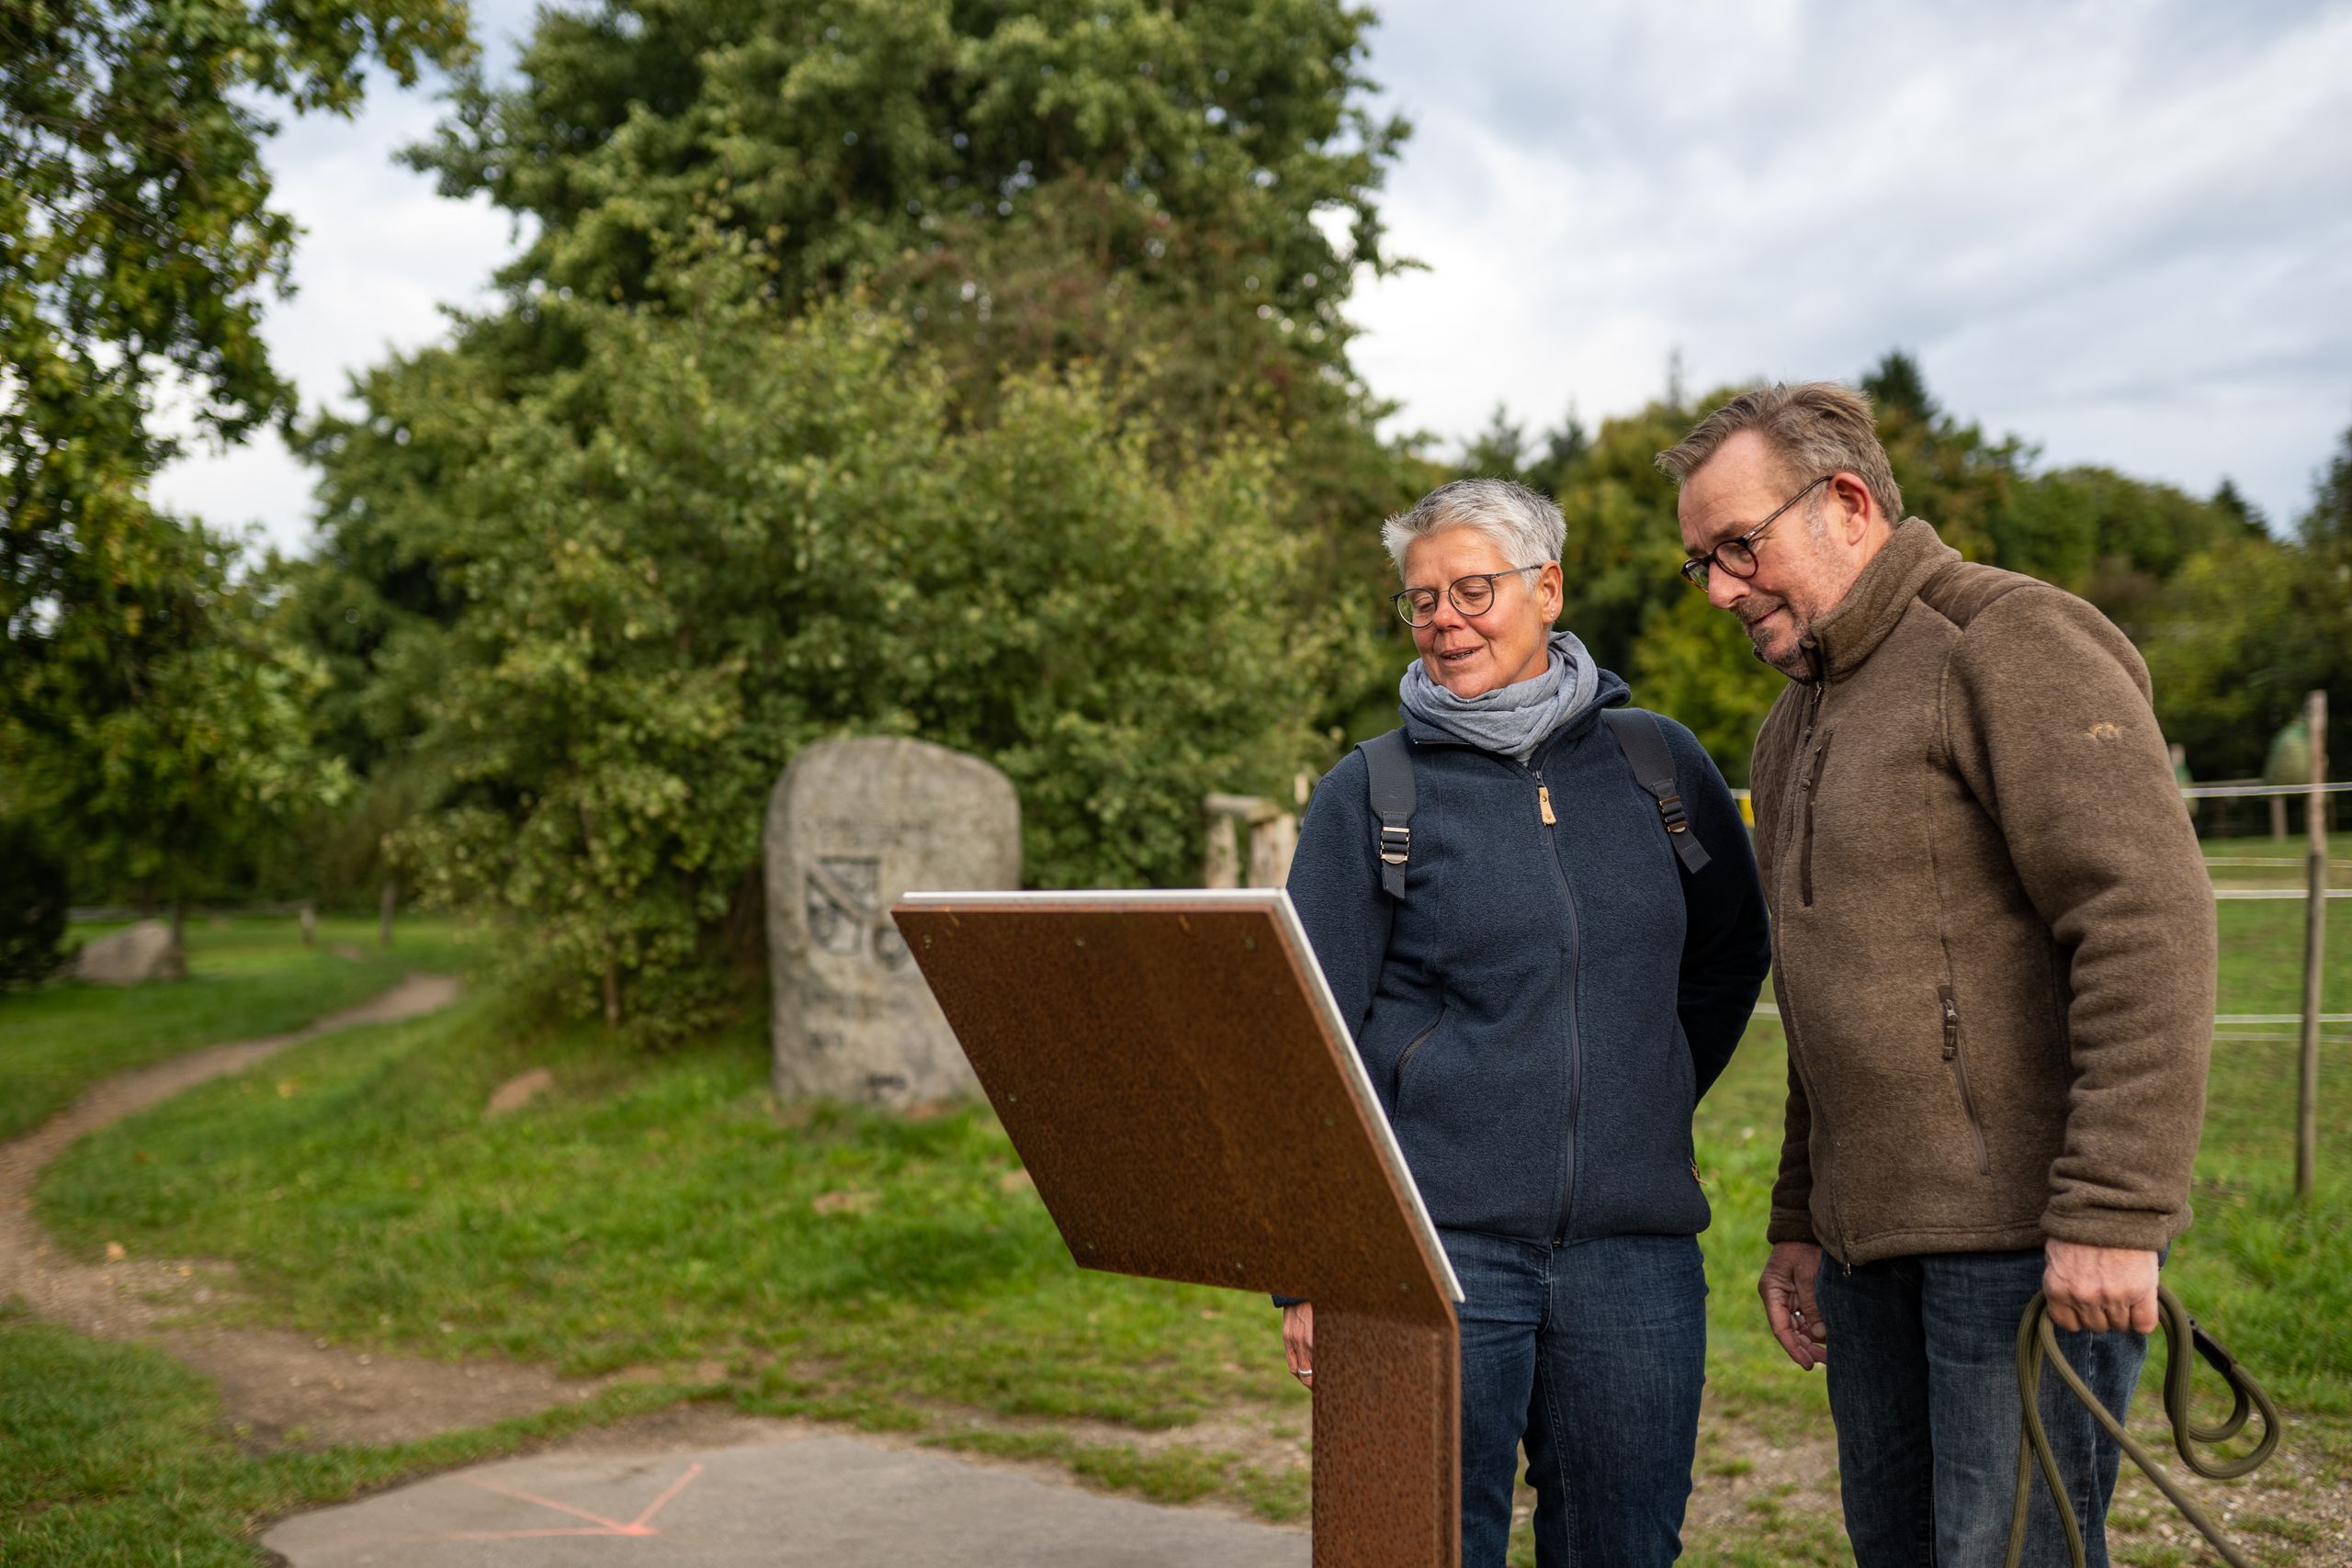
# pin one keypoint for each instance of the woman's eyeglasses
(1473, 596)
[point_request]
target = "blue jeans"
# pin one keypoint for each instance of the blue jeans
(1593, 1354)
(1923, 1385)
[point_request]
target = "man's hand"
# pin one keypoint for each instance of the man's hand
(2100, 1288)
(1298, 1341)
(1788, 1306)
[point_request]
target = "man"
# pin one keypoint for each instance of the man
(1994, 952)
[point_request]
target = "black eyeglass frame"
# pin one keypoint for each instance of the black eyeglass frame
(1404, 610)
(1695, 570)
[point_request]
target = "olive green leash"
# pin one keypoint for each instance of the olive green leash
(2038, 1342)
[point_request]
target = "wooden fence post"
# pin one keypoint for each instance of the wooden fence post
(310, 923)
(384, 913)
(2315, 952)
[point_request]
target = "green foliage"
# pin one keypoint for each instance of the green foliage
(116, 1454)
(164, 732)
(2235, 625)
(247, 978)
(2230, 653)
(2325, 536)
(142, 710)
(725, 536)
(2248, 625)
(33, 890)
(1104, 454)
(836, 136)
(136, 243)
(1696, 663)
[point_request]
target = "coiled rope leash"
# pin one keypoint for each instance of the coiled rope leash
(2038, 1342)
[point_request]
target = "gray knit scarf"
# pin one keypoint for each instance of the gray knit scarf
(1512, 720)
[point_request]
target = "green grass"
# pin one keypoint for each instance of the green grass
(894, 1274)
(651, 1212)
(1175, 1473)
(247, 976)
(112, 1454)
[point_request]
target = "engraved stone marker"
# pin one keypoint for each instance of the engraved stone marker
(852, 826)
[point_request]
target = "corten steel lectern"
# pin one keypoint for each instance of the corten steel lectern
(1179, 1082)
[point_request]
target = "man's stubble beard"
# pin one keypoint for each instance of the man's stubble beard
(1793, 663)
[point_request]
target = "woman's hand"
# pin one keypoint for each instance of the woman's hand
(1298, 1341)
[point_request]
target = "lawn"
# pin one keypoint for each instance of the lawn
(660, 1211)
(247, 976)
(113, 1454)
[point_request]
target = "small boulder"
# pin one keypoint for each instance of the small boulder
(132, 956)
(519, 1092)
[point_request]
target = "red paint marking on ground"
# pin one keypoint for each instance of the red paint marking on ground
(614, 1525)
(644, 1521)
(640, 1526)
(599, 1531)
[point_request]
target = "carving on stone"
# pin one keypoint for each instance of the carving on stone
(852, 826)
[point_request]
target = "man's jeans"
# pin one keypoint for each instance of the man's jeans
(1594, 1354)
(1923, 1384)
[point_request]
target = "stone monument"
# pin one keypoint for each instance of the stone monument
(852, 826)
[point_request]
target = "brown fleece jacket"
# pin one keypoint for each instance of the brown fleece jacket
(1993, 934)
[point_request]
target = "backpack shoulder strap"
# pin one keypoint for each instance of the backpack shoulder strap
(1389, 759)
(1642, 740)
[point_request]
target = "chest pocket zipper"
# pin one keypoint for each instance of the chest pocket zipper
(1812, 786)
(1960, 1078)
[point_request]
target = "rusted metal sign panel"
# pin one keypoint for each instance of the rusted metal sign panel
(1179, 1083)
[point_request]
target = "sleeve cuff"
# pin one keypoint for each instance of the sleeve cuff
(2136, 1229)
(1791, 1226)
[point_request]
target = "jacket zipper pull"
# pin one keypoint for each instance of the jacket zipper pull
(1951, 1030)
(1543, 805)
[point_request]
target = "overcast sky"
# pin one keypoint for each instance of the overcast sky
(2123, 232)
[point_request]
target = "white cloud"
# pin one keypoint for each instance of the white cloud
(2119, 232)
(2124, 232)
(380, 255)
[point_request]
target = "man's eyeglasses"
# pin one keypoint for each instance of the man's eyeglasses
(1473, 596)
(1737, 556)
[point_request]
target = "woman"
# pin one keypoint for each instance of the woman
(1539, 1013)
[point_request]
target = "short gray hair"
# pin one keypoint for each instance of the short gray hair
(1814, 427)
(1526, 528)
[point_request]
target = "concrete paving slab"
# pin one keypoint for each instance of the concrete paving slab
(825, 1499)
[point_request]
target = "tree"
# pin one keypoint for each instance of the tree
(33, 885)
(1169, 202)
(727, 535)
(146, 706)
(836, 136)
(2230, 653)
(2325, 533)
(137, 246)
(182, 737)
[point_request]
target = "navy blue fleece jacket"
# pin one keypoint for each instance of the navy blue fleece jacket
(1543, 1010)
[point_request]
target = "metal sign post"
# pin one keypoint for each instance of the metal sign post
(1177, 1079)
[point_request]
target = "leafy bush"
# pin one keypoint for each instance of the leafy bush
(32, 906)
(726, 537)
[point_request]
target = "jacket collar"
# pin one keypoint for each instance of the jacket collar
(1844, 638)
